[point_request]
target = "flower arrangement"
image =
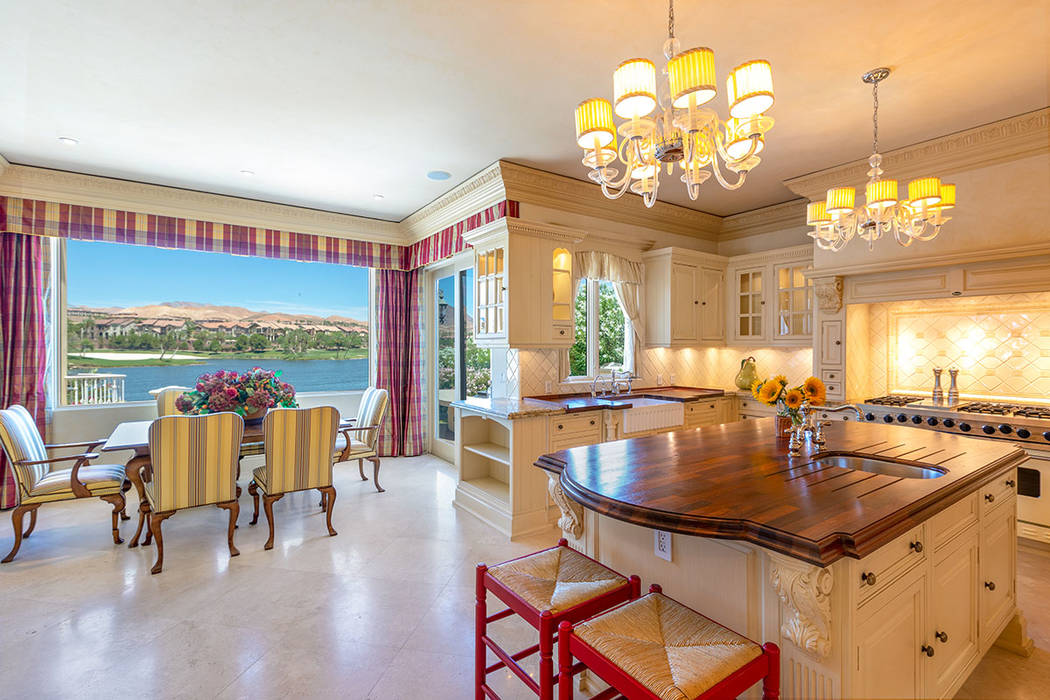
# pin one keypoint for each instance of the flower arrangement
(249, 393)
(790, 402)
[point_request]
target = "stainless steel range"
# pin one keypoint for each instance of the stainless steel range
(1028, 425)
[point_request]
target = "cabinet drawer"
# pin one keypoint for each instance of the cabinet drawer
(700, 413)
(998, 490)
(886, 564)
(952, 521)
(570, 431)
(751, 407)
(835, 381)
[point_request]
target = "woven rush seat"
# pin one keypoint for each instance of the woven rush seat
(556, 579)
(674, 652)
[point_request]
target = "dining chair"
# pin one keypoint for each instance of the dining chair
(193, 463)
(371, 413)
(299, 445)
(39, 482)
(165, 397)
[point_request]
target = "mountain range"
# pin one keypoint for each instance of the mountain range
(208, 312)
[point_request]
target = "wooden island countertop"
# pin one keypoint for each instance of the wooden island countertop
(735, 481)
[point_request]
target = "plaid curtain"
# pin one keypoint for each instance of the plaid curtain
(449, 241)
(23, 352)
(399, 360)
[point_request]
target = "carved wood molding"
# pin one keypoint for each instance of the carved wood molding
(4, 165)
(828, 294)
(479, 192)
(571, 520)
(805, 592)
(777, 217)
(1008, 139)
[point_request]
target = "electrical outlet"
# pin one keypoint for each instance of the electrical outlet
(659, 380)
(662, 544)
(547, 387)
(671, 378)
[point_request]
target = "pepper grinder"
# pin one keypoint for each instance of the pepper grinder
(938, 393)
(953, 390)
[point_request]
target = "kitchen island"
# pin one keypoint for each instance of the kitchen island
(883, 562)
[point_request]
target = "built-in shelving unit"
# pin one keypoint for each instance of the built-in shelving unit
(485, 460)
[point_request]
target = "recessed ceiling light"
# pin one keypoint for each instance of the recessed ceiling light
(377, 196)
(67, 141)
(248, 173)
(439, 175)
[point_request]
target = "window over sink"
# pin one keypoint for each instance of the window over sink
(602, 331)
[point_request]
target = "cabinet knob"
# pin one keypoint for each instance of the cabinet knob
(1011, 483)
(561, 332)
(989, 497)
(990, 585)
(927, 649)
(838, 342)
(916, 546)
(561, 427)
(942, 636)
(703, 303)
(695, 301)
(592, 421)
(868, 578)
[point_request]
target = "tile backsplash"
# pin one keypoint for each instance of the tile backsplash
(1001, 344)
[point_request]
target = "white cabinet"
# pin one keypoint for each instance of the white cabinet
(523, 275)
(998, 596)
(953, 612)
(793, 303)
(770, 299)
(749, 304)
(684, 297)
(891, 634)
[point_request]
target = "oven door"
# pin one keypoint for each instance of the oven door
(1033, 495)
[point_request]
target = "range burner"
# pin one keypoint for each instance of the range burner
(894, 400)
(1033, 412)
(992, 408)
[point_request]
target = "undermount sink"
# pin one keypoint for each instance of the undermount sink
(875, 465)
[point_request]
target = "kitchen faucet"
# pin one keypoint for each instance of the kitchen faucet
(816, 427)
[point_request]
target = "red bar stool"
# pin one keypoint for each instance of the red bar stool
(654, 648)
(556, 585)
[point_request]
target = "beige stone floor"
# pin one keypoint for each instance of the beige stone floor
(383, 610)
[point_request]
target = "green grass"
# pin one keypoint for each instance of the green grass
(78, 361)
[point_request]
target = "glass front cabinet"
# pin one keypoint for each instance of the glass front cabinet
(771, 298)
(514, 260)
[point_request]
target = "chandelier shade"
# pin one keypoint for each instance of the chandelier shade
(750, 89)
(881, 192)
(817, 213)
(594, 123)
(924, 192)
(691, 75)
(841, 200)
(634, 88)
(738, 145)
(947, 196)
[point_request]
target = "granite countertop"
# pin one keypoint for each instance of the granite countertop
(575, 403)
(509, 408)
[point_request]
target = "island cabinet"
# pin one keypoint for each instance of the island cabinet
(684, 297)
(523, 274)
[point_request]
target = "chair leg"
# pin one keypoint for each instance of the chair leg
(771, 683)
(16, 521)
(254, 491)
(480, 624)
(546, 670)
(329, 496)
(238, 498)
(235, 509)
(322, 504)
(124, 488)
(268, 501)
(32, 524)
(117, 499)
(155, 519)
(564, 661)
(361, 469)
(375, 473)
(149, 530)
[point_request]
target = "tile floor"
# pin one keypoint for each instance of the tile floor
(383, 610)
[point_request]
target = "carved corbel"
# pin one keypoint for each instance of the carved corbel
(828, 293)
(805, 592)
(571, 520)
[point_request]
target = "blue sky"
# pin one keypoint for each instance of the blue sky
(113, 274)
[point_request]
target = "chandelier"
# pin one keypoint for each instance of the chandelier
(684, 131)
(835, 221)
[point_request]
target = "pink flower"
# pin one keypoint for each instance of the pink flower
(200, 386)
(231, 392)
(220, 374)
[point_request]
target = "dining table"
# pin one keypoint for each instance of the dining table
(134, 436)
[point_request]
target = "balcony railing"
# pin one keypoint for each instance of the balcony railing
(85, 389)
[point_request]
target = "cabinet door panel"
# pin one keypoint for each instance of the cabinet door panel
(831, 342)
(712, 312)
(953, 611)
(684, 302)
(998, 566)
(890, 636)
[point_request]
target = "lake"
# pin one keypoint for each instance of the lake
(304, 375)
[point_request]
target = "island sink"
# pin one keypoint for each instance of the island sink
(875, 465)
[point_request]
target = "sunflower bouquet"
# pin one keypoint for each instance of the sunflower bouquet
(790, 402)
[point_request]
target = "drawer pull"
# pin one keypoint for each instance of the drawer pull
(927, 649)
(990, 585)
(561, 427)
(989, 497)
(1011, 483)
(592, 421)
(562, 332)
(942, 636)
(838, 342)
(868, 578)
(916, 546)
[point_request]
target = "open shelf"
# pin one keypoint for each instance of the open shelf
(493, 488)
(491, 450)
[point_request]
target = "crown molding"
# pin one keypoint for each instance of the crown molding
(793, 253)
(479, 192)
(1008, 139)
(1026, 251)
(4, 165)
(774, 218)
(532, 186)
(94, 191)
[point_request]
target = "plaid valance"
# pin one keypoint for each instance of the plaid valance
(43, 218)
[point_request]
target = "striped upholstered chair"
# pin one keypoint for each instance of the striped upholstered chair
(299, 447)
(39, 483)
(361, 442)
(166, 399)
(194, 463)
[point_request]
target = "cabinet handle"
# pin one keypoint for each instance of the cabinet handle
(838, 342)
(917, 546)
(695, 301)
(1010, 483)
(831, 376)
(990, 585)
(942, 636)
(927, 649)
(868, 578)
(703, 303)
(592, 422)
(561, 427)
(989, 497)
(561, 332)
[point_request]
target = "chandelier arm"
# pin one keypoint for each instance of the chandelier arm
(722, 181)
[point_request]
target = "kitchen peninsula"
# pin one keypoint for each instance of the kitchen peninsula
(887, 578)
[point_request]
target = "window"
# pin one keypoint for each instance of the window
(602, 330)
(141, 318)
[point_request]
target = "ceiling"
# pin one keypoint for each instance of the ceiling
(331, 102)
